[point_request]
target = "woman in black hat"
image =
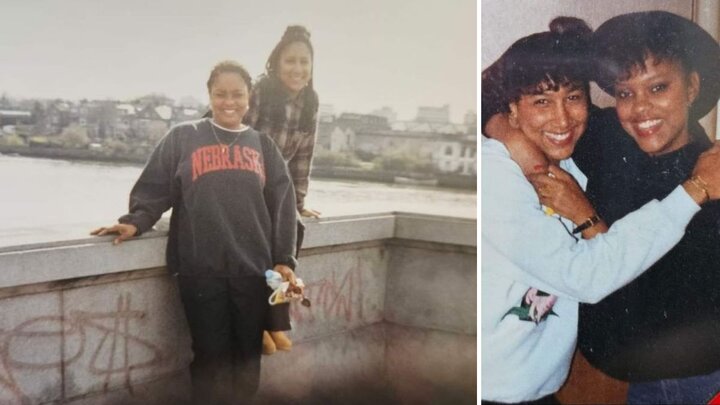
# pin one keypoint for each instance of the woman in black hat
(662, 331)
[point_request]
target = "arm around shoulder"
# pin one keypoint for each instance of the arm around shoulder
(541, 250)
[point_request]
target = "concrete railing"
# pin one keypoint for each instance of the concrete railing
(393, 298)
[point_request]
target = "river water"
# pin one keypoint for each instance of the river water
(44, 200)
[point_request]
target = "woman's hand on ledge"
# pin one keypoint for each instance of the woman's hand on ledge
(125, 231)
(309, 212)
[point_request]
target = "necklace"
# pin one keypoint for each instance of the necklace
(224, 148)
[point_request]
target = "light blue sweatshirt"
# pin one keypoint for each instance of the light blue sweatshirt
(523, 249)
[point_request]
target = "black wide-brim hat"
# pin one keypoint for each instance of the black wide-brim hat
(617, 40)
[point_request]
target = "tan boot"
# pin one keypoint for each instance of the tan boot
(268, 344)
(282, 342)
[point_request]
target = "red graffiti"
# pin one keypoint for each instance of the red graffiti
(110, 355)
(335, 296)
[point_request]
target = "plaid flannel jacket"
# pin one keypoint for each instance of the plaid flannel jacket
(296, 147)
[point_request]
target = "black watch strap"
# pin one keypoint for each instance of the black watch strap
(589, 223)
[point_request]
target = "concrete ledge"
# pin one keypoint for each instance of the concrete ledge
(46, 262)
(430, 228)
(348, 229)
(42, 264)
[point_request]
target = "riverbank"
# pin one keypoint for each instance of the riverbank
(72, 154)
(345, 173)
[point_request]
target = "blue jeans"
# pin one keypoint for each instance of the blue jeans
(699, 389)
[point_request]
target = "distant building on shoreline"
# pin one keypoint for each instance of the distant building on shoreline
(438, 115)
(386, 112)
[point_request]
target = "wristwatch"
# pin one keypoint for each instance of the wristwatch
(589, 223)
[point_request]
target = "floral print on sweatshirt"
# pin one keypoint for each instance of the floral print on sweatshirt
(535, 306)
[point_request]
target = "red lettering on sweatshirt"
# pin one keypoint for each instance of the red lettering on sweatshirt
(260, 167)
(207, 160)
(197, 164)
(225, 157)
(238, 160)
(248, 157)
(213, 158)
(254, 162)
(216, 159)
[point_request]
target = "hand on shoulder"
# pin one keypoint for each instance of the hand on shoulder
(704, 183)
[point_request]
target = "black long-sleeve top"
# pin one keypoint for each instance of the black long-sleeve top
(666, 323)
(232, 198)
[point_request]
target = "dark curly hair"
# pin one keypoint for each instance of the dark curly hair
(272, 96)
(539, 62)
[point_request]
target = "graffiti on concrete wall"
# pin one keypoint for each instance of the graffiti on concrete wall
(106, 344)
(337, 296)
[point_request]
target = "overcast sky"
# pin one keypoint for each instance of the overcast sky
(368, 54)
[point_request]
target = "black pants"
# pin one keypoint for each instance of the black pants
(279, 315)
(226, 318)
